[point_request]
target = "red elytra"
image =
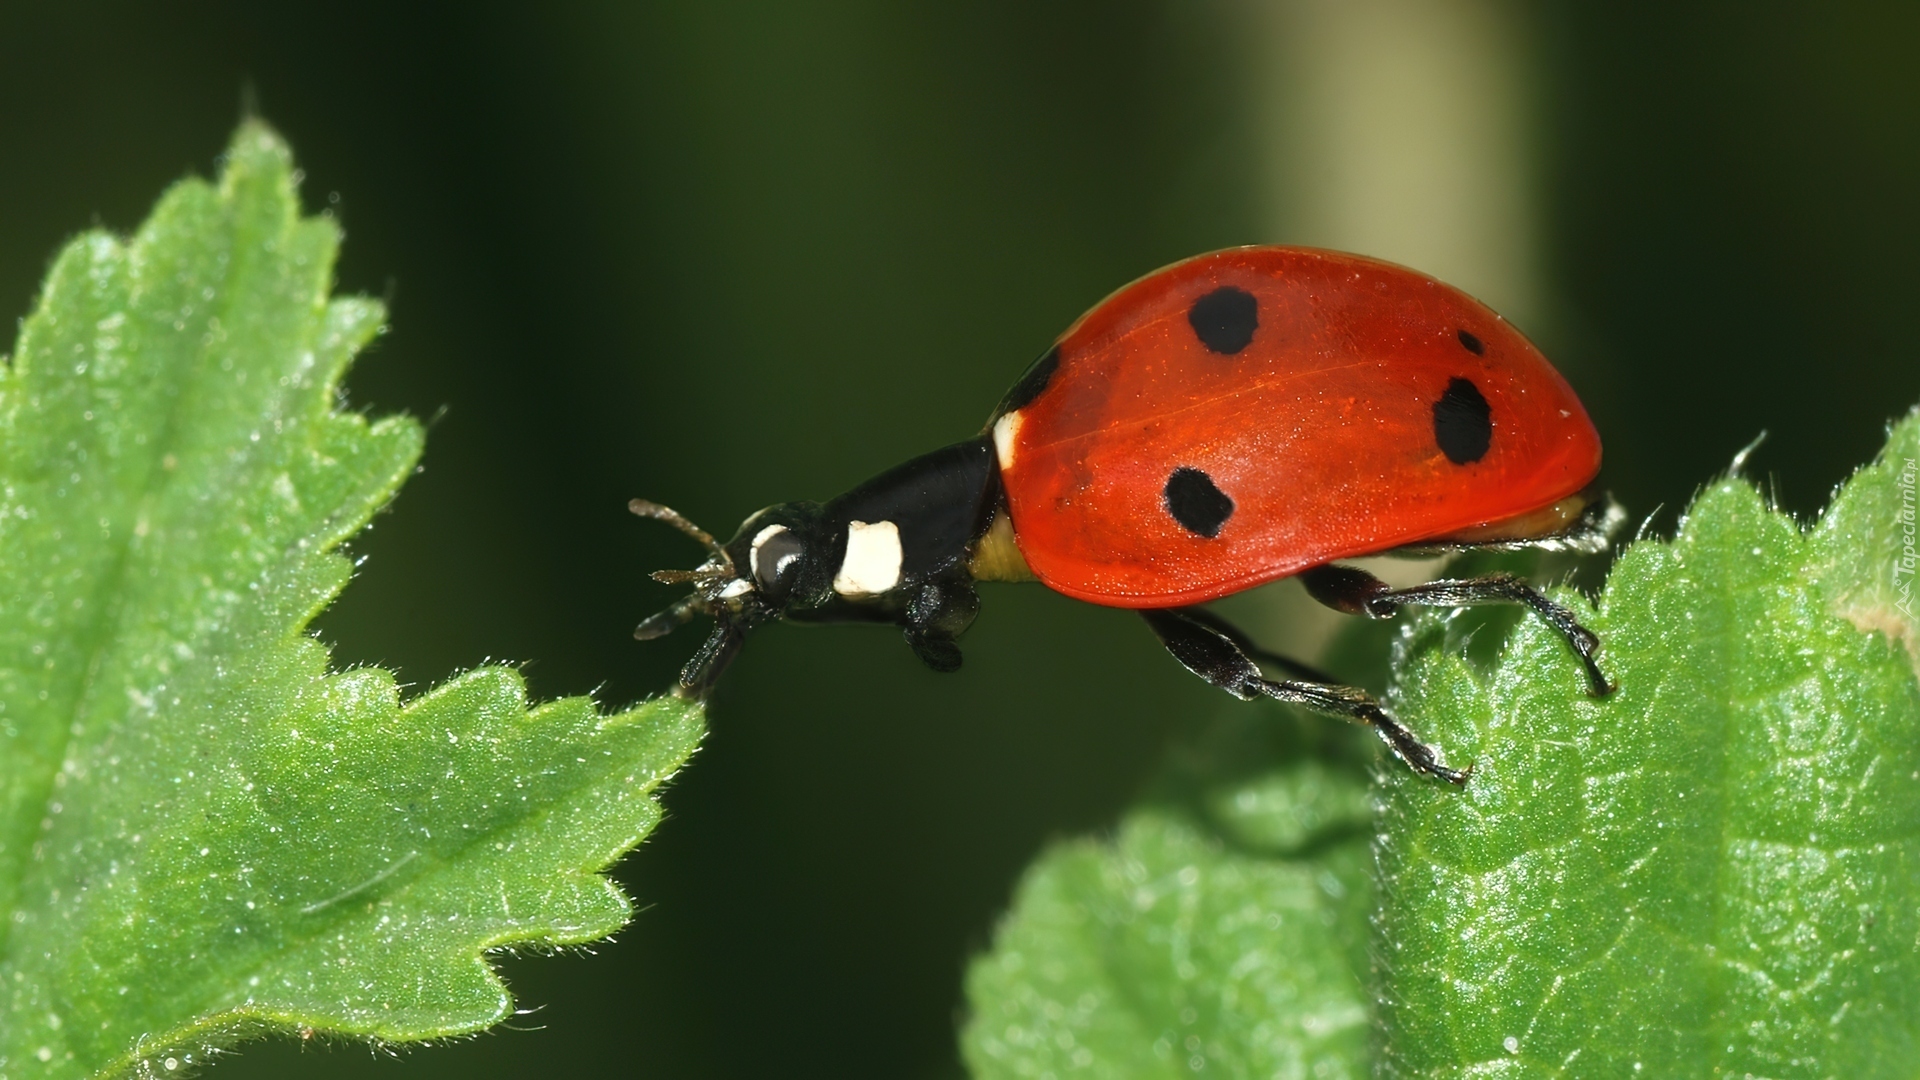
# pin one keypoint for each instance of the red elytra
(1320, 429)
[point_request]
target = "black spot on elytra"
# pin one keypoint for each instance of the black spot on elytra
(1225, 319)
(1473, 344)
(1196, 503)
(1462, 423)
(1032, 384)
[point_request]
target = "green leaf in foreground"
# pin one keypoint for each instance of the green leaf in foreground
(1712, 873)
(1223, 931)
(203, 832)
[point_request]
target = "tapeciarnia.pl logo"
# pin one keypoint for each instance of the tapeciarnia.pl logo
(1904, 562)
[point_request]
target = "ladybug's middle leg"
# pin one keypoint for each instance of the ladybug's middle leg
(1213, 649)
(1295, 668)
(1356, 592)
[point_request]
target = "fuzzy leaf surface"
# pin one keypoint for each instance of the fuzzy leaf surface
(1222, 931)
(203, 832)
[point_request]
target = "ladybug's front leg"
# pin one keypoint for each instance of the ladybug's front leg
(938, 612)
(1213, 649)
(1356, 592)
(703, 670)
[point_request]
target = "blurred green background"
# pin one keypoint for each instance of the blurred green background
(723, 255)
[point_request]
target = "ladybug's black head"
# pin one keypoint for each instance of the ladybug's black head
(777, 564)
(896, 549)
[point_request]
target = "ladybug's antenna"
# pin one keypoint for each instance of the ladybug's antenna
(709, 577)
(674, 518)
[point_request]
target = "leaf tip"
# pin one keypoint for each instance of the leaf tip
(256, 142)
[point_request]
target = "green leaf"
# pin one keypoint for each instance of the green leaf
(1713, 872)
(203, 832)
(1710, 873)
(1223, 930)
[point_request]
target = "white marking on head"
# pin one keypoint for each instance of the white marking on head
(759, 540)
(1005, 430)
(736, 587)
(872, 565)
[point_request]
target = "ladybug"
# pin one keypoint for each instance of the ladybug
(1235, 418)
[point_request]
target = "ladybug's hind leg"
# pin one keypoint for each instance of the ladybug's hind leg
(1215, 650)
(1356, 592)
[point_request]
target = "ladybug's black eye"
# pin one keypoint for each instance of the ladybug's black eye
(776, 554)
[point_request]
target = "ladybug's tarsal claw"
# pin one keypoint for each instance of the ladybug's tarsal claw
(1598, 685)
